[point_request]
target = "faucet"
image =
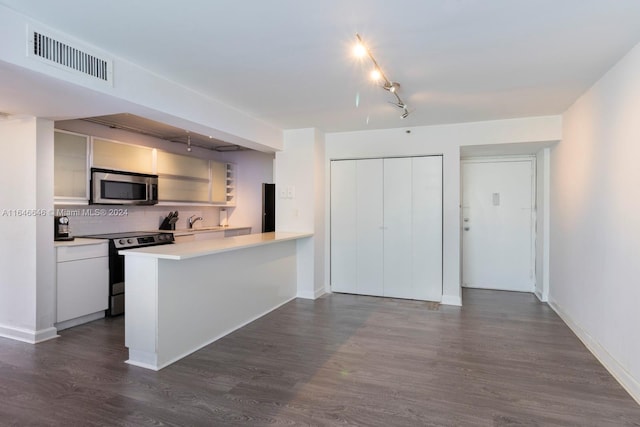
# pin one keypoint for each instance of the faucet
(192, 220)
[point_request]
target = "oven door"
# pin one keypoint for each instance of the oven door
(123, 188)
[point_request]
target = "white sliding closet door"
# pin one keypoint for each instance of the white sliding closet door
(398, 228)
(344, 276)
(369, 200)
(427, 227)
(386, 227)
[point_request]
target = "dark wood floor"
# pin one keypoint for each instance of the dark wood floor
(504, 359)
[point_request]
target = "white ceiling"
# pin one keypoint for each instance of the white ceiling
(288, 63)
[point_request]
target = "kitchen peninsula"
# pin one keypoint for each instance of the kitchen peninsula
(184, 296)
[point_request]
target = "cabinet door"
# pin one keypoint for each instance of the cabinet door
(119, 156)
(209, 235)
(82, 287)
(182, 178)
(70, 177)
(398, 236)
(344, 237)
(427, 227)
(182, 190)
(219, 182)
(184, 166)
(237, 232)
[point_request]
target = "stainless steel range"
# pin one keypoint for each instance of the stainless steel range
(118, 241)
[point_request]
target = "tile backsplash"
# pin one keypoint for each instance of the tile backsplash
(100, 219)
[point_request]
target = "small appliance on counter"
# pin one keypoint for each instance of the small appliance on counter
(61, 230)
(224, 219)
(169, 223)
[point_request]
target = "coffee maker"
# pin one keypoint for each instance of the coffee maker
(61, 229)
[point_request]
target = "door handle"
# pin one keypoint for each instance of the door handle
(466, 229)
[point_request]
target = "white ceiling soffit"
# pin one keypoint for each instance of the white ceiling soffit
(144, 126)
(288, 62)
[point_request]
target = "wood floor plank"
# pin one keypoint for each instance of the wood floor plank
(503, 359)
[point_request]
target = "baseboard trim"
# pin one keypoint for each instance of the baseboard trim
(311, 295)
(28, 335)
(80, 320)
(451, 300)
(543, 297)
(619, 372)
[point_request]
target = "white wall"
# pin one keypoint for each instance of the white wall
(253, 168)
(595, 227)
(445, 140)
(300, 168)
(27, 260)
(45, 254)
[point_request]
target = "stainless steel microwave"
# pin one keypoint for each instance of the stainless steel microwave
(111, 187)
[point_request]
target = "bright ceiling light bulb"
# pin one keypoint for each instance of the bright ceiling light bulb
(359, 50)
(376, 75)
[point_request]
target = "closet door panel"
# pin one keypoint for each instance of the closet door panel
(427, 228)
(343, 226)
(397, 228)
(369, 200)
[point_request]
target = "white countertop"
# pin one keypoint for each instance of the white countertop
(186, 250)
(80, 241)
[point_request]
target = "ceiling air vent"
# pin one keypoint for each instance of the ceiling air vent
(63, 55)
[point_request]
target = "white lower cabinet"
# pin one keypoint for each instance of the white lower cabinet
(386, 227)
(209, 235)
(82, 281)
(237, 232)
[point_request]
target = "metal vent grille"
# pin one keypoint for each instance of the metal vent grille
(69, 57)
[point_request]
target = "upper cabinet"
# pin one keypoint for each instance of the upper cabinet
(71, 177)
(182, 178)
(120, 156)
(218, 182)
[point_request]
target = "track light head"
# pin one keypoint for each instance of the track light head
(392, 87)
(405, 114)
(399, 104)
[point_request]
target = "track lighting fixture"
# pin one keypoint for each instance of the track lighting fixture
(377, 74)
(188, 142)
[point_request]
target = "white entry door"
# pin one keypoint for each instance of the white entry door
(498, 224)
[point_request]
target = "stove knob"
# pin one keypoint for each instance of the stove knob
(121, 241)
(129, 241)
